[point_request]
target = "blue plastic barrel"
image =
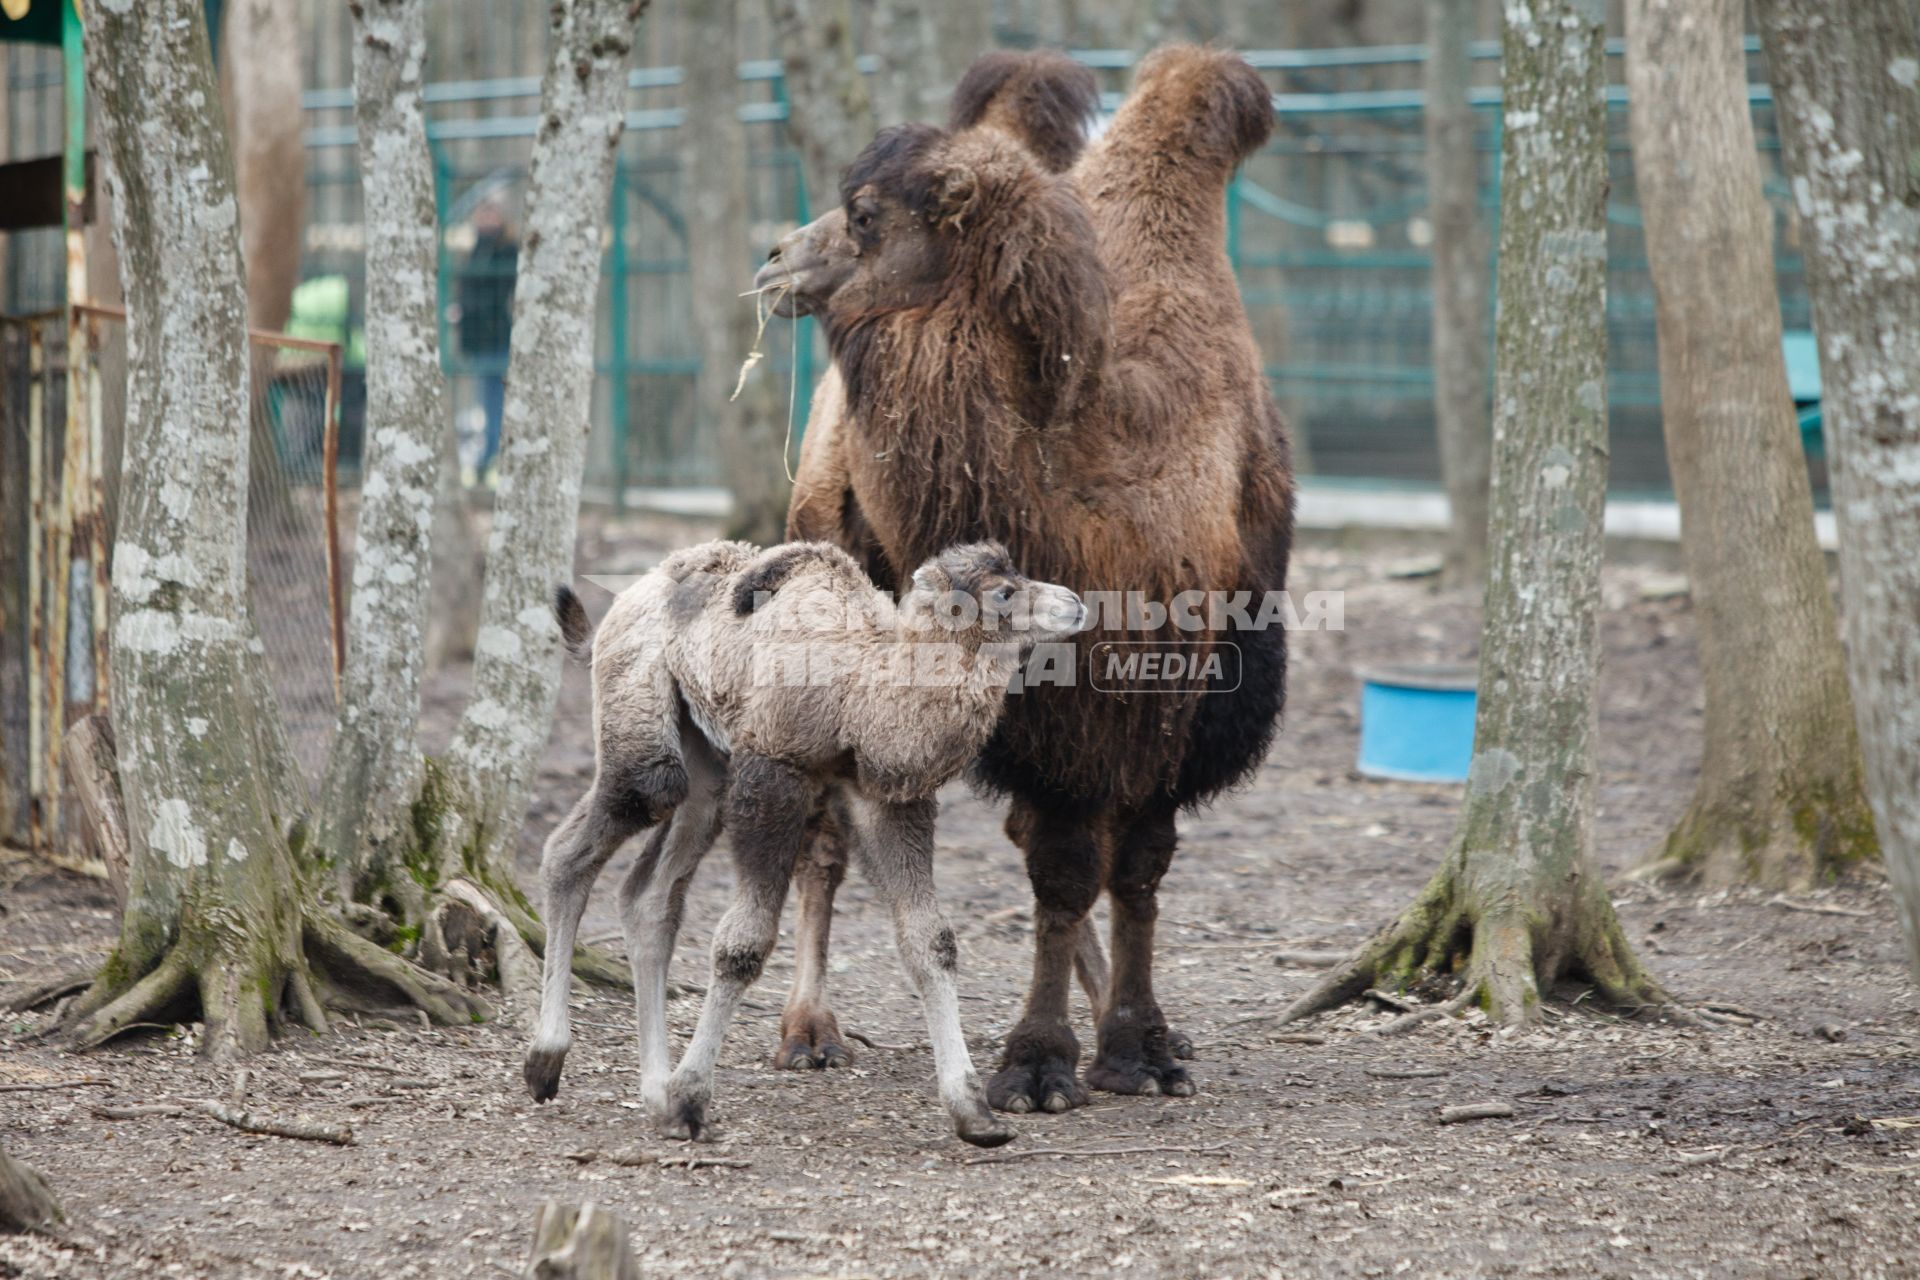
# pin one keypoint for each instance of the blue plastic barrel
(1416, 722)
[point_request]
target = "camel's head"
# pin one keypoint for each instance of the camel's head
(975, 590)
(889, 246)
(961, 229)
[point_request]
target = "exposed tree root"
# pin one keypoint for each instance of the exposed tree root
(1503, 954)
(240, 996)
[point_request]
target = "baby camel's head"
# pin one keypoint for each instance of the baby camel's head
(974, 593)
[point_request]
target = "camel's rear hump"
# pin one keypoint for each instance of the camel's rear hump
(1156, 181)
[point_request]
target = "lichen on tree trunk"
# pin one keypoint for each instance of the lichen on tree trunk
(1781, 798)
(426, 843)
(1846, 82)
(218, 915)
(1517, 903)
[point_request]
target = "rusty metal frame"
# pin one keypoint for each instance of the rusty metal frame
(68, 537)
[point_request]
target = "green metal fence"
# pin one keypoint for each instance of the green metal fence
(1327, 230)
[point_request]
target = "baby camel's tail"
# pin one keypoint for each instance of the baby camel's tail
(575, 629)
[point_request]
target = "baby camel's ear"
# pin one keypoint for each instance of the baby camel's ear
(930, 579)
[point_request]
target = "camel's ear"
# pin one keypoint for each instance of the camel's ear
(956, 189)
(930, 579)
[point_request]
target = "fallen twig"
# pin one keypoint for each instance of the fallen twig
(247, 1122)
(1417, 1017)
(139, 1112)
(87, 1083)
(1310, 959)
(858, 1038)
(1032, 1153)
(1390, 1000)
(1405, 1073)
(634, 1158)
(1815, 908)
(1476, 1111)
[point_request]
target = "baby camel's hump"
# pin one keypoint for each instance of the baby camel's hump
(746, 640)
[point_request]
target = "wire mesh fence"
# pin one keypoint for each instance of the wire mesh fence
(62, 379)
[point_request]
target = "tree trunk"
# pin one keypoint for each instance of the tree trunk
(1518, 903)
(216, 913)
(262, 53)
(752, 427)
(1459, 287)
(1780, 800)
(925, 46)
(1846, 82)
(829, 112)
(580, 1242)
(373, 773)
(516, 675)
(25, 1202)
(457, 564)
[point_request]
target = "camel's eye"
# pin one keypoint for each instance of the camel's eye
(1000, 597)
(863, 220)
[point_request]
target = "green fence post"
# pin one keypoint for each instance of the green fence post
(617, 397)
(443, 263)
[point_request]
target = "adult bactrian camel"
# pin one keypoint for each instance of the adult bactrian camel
(1059, 361)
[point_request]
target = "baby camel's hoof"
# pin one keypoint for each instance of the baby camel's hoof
(987, 1133)
(686, 1121)
(542, 1072)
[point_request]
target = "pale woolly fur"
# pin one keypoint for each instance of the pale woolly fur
(908, 700)
(696, 724)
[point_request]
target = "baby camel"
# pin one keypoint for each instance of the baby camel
(770, 687)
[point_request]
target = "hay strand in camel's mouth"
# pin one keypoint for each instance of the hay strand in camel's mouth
(763, 312)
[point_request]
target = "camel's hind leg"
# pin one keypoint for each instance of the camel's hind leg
(767, 807)
(653, 896)
(809, 1033)
(1134, 1052)
(576, 851)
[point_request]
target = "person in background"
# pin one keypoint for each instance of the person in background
(486, 316)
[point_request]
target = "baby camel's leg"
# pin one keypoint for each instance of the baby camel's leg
(575, 852)
(809, 1033)
(767, 807)
(652, 898)
(895, 846)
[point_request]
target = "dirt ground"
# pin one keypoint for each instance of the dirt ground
(1786, 1144)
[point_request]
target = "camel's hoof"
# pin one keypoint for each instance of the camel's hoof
(797, 1053)
(1180, 1045)
(984, 1131)
(1046, 1085)
(1139, 1077)
(542, 1072)
(686, 1121)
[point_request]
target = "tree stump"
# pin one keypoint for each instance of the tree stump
(26, 1203)
(580, 1242)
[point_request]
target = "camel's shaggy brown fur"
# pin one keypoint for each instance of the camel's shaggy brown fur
(1061, 361)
